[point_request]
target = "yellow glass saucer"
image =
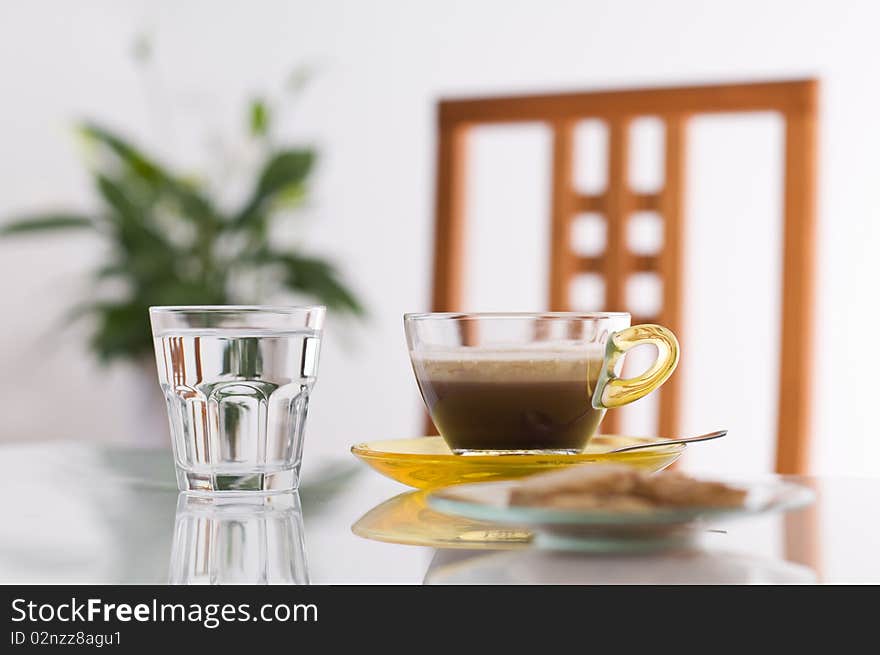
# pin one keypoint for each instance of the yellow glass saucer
(427, 462)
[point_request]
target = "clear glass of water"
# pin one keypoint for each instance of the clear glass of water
(237, 381)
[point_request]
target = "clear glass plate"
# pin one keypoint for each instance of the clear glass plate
(591, 530)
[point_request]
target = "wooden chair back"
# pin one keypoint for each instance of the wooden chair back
(795, 101)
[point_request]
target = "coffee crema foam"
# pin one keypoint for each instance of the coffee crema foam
(522, 364)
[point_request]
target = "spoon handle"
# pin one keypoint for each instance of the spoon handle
(668, 442)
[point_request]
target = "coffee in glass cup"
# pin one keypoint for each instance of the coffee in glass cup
(528, 383)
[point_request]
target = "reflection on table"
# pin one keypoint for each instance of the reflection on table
(407, 519)
(103, 515)
(462, 558)
(695, 566)
(239, 540)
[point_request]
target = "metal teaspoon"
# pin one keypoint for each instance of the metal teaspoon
(668, 442)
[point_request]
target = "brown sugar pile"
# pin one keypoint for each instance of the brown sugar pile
(620, 488)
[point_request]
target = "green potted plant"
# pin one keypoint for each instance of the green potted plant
(169, 242)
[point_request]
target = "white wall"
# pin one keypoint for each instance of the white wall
(382, 65)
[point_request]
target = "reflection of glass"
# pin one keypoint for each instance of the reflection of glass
(682, 567)
(240, 539)
(237, 382)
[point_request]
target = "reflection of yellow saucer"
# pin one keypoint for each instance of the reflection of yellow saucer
(427, 462)
(407, 519)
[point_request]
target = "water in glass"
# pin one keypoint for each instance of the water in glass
(237, 402)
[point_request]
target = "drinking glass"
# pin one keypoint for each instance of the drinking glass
(237, 381)
(529, 383)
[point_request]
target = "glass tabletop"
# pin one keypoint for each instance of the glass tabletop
(84, 513)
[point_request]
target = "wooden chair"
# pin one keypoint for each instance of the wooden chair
(795, 101)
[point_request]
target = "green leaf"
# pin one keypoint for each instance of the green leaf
(319, 279)
(259, 117)
(123, 330)
(114, 196)
(290, 197)
(138, 162)
(135, 234)
(282, 171)
(285, 168)
(192, 204)
(186, 292)
(46, 222)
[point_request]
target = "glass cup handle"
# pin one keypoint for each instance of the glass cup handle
(612, 391)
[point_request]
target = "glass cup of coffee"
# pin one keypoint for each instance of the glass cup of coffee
(529, 383)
